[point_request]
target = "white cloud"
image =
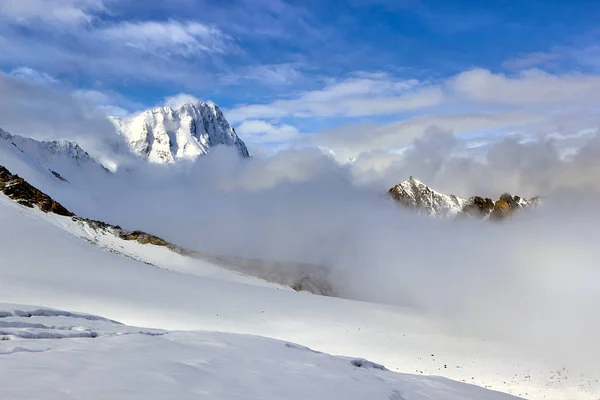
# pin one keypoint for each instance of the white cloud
(174, 52)
(269, 74)
(379, 94)
(187, 39)
(349, 141)
(257, 131)
(55, 12)
(351, 97)
(531, 87)
(476, 101)
(179, 100)
(47, 112)
(92, 96)
(108, 103)
(33, 76)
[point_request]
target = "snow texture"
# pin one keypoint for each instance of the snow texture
(43, 263)
(165, 135)
(57, 157)
(103, 359)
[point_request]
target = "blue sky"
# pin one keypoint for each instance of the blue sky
(286, 70)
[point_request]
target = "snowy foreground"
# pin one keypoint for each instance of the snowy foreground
(65, 355)
(45, 262)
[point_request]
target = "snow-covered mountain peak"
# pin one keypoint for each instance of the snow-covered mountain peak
(165, 135)
(64, 159)
(46, 150)
(416, 194)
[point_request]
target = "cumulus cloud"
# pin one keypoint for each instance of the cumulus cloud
(56, 113)
(36, 110)
(536, 271)
(257, 131)
(531, 87)
(179, 100)
(533, 271)
(474, 102)
(529, 167)
(350, 141)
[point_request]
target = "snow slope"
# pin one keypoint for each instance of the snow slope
(46, 265)
(97, 358)
(157, 256)
(164, 135)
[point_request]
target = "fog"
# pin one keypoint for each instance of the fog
(533, 279)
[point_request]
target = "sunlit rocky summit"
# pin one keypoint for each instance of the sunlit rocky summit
(416, 195)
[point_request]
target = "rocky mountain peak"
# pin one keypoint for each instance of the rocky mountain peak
(165, 135)
(417, 196)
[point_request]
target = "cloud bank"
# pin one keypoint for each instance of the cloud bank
(536, 272)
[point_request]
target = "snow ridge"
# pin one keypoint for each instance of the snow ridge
(46, 151)
(63, 158)
(165, 135)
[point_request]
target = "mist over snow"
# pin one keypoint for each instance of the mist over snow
(528, 280)
(267, 134)
(535, 272)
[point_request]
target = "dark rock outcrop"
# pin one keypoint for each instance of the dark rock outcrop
(300, 277)
(416, 195)
(478, 207)
(19, 190)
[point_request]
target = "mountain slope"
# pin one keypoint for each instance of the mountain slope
(42, 263)
(164, 135)
(417, 196)
(162, 253)
(61, 158)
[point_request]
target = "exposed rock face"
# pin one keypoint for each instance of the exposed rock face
(300, 277)
(17, 189)
(478, 207)
(138, 236)
(164, 135)
(419, 197)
